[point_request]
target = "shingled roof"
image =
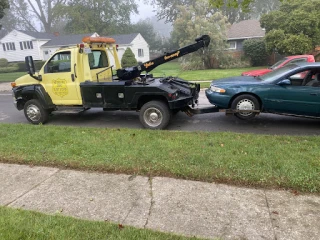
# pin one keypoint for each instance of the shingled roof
(38, 35)
(68, 40)
(125, 38)
(246, 29)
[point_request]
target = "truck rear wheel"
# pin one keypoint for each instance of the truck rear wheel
(34, 112)
(155, 115)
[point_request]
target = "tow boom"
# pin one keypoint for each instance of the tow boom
(134, 72)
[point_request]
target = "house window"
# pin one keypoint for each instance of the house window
(9, 46)
(232, 45)
(26, 45)
(140, 53)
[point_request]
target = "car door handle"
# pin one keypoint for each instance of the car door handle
(314, 94)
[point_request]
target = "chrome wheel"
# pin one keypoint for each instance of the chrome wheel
(33, 112)
(153, 117)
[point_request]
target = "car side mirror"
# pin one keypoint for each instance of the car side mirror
(284, 82)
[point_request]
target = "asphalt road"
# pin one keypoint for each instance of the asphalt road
(212, 122)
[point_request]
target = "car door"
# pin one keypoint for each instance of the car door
(58, 78)
(294, 99)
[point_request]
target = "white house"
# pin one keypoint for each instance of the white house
(17, 44)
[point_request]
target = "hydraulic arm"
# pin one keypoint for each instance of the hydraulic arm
(134, 72)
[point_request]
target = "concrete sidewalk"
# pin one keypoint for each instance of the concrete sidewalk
(184, 207)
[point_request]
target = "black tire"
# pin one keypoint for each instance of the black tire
(155, 115)
(245, 102)
(34, 112)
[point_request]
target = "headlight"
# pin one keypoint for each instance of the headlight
(216, 89)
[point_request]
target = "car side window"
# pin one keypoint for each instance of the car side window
(98, 59)
(60, 62)
(298, 60)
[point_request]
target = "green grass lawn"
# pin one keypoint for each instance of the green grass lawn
(291, 162)
(10, 77)
(173, 69)
(168, 69)
(27, 225)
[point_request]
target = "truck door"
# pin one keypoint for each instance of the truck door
(59, 79)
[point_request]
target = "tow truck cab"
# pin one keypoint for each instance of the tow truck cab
(81, 78)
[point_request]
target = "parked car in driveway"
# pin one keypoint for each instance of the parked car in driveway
(279, 64)
(282, 91)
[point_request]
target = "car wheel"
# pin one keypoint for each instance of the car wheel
(245, 102)
(155, 115)
(34, 112)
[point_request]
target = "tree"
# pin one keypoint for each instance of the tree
(193, 21)
(245, 5)
(169, 10)
(28, 14)
(145, 28)
(294, 29)
(3, 5)
(128, 59)
(256, 50)
(102, 16)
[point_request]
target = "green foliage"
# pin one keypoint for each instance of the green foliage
(245, 5)
(3, 62)
(294, 29)
(145, 28)
(256, 50)
(3, 5)
(128, 59)
(194, 21)
(104, 17)
(38, 64)
(8, 69)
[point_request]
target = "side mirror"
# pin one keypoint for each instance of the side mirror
(284, 82)
(30, 65)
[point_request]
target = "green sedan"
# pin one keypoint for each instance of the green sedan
(292, 90)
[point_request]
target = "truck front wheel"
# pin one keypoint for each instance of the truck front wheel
(34, 112)
(155, 115)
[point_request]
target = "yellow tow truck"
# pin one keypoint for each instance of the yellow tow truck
(81, 77)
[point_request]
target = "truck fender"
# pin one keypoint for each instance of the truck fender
(140, 99)
(26, 93)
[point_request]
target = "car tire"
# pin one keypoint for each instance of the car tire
(155, 115)
(245, 102)
(34, 112)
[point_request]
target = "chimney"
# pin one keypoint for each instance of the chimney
(56, 34)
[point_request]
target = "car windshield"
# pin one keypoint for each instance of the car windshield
(274, 75)
(277, 64)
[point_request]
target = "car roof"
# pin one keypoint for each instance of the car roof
(298, 56)
(307, 64)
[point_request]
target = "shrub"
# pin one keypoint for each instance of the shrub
(128, 59)
(38, 64)
(3, 62)
(8, 69)
(21, 66)
(256, 50)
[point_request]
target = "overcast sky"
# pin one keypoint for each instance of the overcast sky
(145, 11)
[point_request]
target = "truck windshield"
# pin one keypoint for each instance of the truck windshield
(98, 59)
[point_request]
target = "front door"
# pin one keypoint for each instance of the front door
(58, 78)
(298, 100)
